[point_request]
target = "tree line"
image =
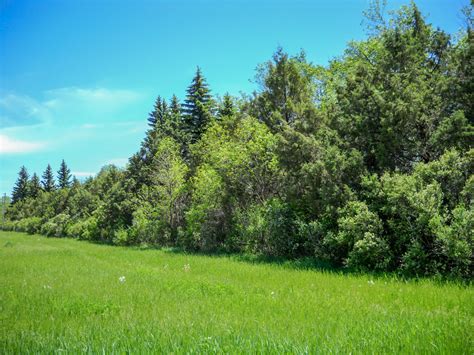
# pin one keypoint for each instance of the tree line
(366, 163)
(26, 187)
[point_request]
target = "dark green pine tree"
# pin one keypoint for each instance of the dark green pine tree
(175, 107)
(20, 190)
(197, 108)
(157, 116)
(34, 186)
(175, 118)
(64, 176)
(48, 180)
(226, 108)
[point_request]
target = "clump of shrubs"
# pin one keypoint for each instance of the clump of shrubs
(56, 226)
(85, 229)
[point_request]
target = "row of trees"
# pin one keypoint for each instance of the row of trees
(367, 163)
(26, 187)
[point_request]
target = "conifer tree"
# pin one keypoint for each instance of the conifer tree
(48, 180)
(34, 187)
(175, 119)
(20, 190)
(157, 116)
(226, 107)
(64, 176)
(175, 106)
(197, 108)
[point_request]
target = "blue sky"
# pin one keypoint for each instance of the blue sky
(78, 78)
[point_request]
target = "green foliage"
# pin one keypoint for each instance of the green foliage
(29, 225)
(206, 220)
(456, 241)
(85, 229)
(387, 95)
(56, 226)
(270, 229)
(64, 176)
(227, 106)
(48, 179)
(287, 89)
(21, 190)
(158, 115)
(198, 107)
(358, 229)
(34, 186)
(366, 164)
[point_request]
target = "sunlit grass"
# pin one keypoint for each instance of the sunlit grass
(66, 295)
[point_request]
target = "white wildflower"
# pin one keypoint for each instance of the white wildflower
(187, 267)
(370, 282)
(122, 279)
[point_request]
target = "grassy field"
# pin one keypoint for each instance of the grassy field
(66, 295)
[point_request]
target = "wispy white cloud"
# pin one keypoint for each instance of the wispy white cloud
(65, 106)
(10, 145)
(21, 110)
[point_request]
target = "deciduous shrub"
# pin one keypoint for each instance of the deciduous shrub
(29, 225)
(56, 226)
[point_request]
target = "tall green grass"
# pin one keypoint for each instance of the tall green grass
(65, 295)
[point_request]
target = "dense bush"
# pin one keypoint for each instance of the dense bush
(271, 228)
(30, 225)
(83, 229)
(56, 226)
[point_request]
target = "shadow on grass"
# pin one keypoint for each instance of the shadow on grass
(303, 263)
(313, 264)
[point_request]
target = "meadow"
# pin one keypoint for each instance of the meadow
(66, 295)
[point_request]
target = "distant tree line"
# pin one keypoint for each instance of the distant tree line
(366, 163)
(26, 187)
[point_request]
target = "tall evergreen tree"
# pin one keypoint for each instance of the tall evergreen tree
(175, 106)
(48, 180)
(20, 190)
(226, 108)
(197, 108)
(287, 90)
(64, 176)
(157, 116)
(175, 121)
(34, 186)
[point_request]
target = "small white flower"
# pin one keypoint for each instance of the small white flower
(47, 287)
(370, 282)
(122, 279)
(187, 267)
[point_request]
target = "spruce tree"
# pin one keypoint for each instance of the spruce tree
(175, 106)
(34, 186)
(48, 180)
(64, 176)
(20, 190)
(197, 108)
(175, 119)
(157, 116)
(226, 108)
